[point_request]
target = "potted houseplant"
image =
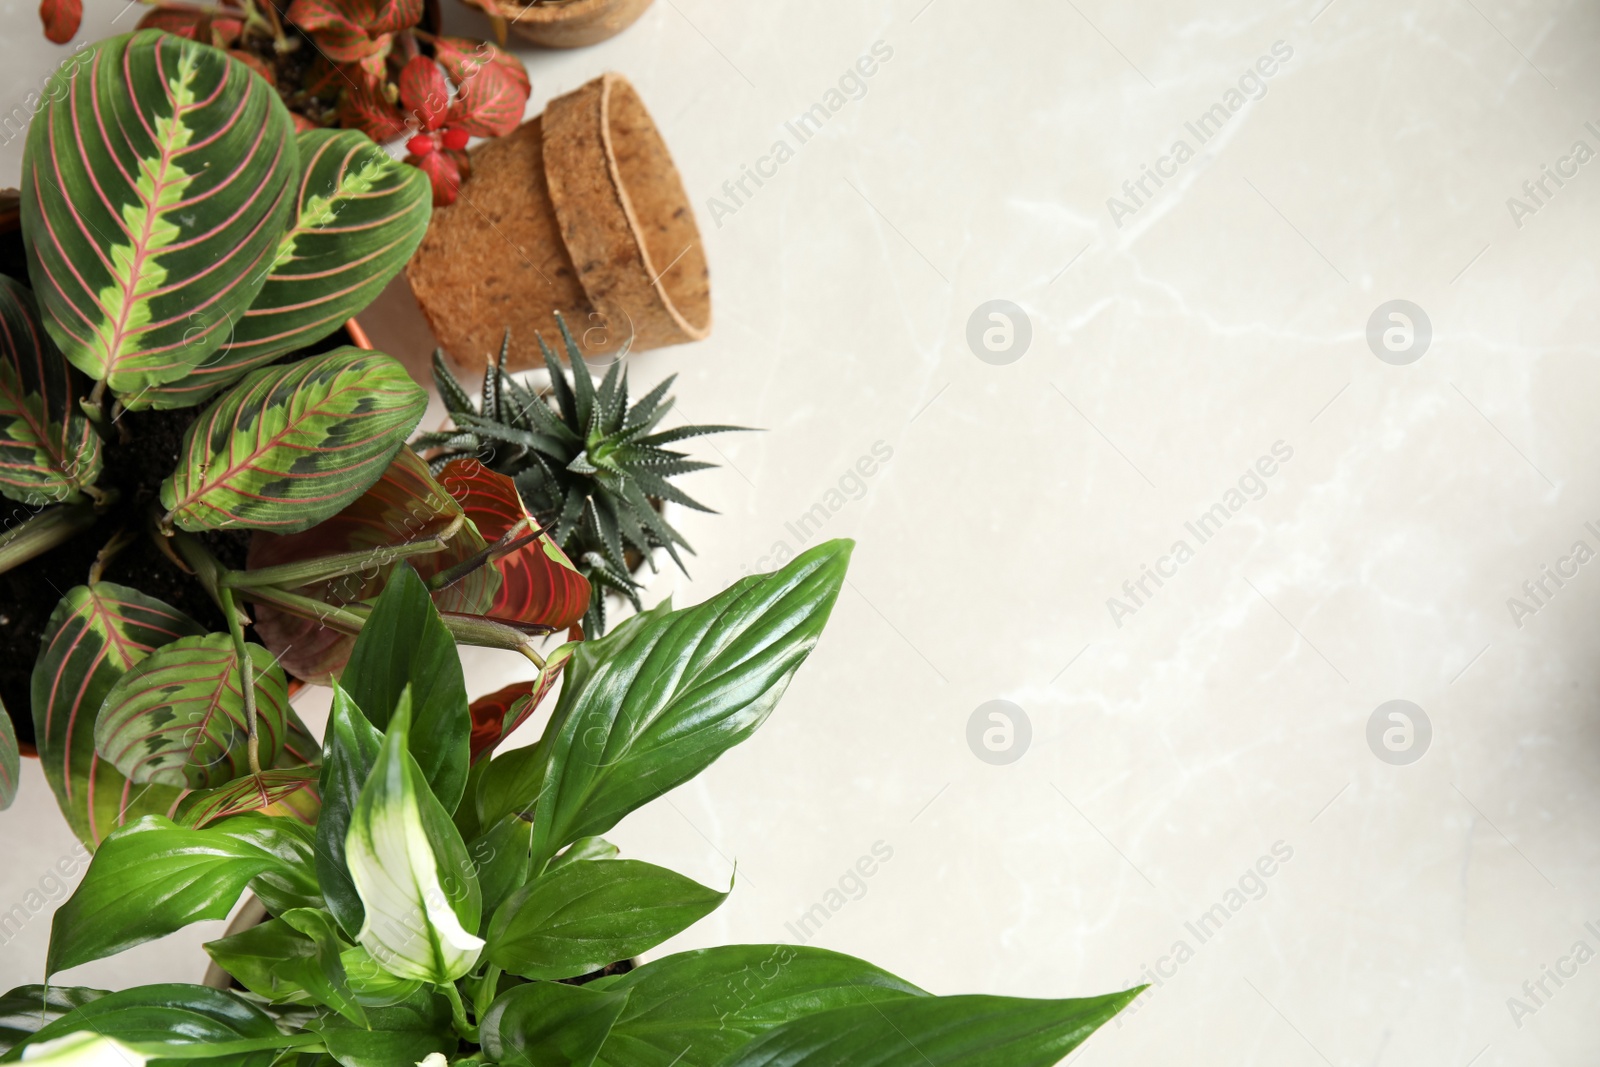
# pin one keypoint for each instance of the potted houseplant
(579, 212)
(378, 66)
(204, 258)
(594, 471)
(439, 909)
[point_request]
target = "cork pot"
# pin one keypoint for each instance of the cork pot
(581, 212)
(572, 24)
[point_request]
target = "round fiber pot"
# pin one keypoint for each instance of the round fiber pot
(572, 23)
(581, 212)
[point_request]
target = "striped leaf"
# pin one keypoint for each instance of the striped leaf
(48, 450)
(10, 760)
(291, 793)
(538, 584)
(405, 504)
(361, 215)
(96, 635)
(291, 445)
(158, 181)
(495, 716)
(178, 717)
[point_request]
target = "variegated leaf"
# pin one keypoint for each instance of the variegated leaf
(291, 793)
(424, 92)
(178, 717)
(461, 56)
(291, 445)
(538, 583)
(159, 180)
(48, 449)
(361, 215)
(404, 505)
(10, 760)
(97, 633)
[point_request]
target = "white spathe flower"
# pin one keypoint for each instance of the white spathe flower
(84, 1049)
(411, 927)
(434, 1059)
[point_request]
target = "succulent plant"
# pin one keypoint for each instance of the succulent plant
(592, 470)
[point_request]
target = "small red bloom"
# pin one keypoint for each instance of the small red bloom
(420, 145)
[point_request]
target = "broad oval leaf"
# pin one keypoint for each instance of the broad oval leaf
(291, 445)
(157, 183)
(405, 645)
(411, 870)
(548, 1024)
(153, 877)
(404, 505)
(48, 450)
(361, 215)
(289, 793)
(966, 1031)
(84, 1048)
(588, 914)
(695, 1008)
(96, 634)
(27, 1009)
(404, 1033)
(179, 1014)
(10, 760)
(538, 582)
(657, 700)
(178, 717)
(350, 751)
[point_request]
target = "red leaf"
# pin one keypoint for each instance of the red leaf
(61, 19)
(539, 584)
(460, 56)
(443, 172)
(490, 102)
(424, 92)
(199, 26)
(301, 123)
(495, 716)
(404, 505)
(339, 32)
(392, 16)
(361, 108)
(256, 64)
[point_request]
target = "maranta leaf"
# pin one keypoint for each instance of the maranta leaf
(48, 449)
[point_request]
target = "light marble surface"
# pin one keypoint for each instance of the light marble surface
(1173, 746)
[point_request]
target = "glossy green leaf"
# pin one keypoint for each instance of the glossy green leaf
(547, 1024)
(158, 181)
(322, 973)
(267, 959)
(404, 643)
(401, 1035)
(292, 444)
(656, 701)
(48, 449)
(585, 848)
(967, 1031)
(10, 760)
(361, 213)
(503, 859)
(153, 877)
(85, 1048)
(178, 717)
(693, 1009)
(348, 756)
(27, 1009)
(584, 915)
(179, 1014)
(96, 634)
(411, 869)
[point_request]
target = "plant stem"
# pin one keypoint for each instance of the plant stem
(486, 991)
(508, 543)
(44, 531)
(458, 1013)
(326, 568)
(247, 676)
(205, 566)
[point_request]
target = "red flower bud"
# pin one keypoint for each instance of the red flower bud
(420, 145)
(455, 138)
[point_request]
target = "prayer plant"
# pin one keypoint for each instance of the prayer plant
(187, 247)
(441, 908)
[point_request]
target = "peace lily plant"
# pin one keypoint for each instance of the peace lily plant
(440, 909)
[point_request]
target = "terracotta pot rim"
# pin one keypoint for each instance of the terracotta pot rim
(551, 14)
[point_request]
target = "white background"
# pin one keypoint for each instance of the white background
(1229, 313)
